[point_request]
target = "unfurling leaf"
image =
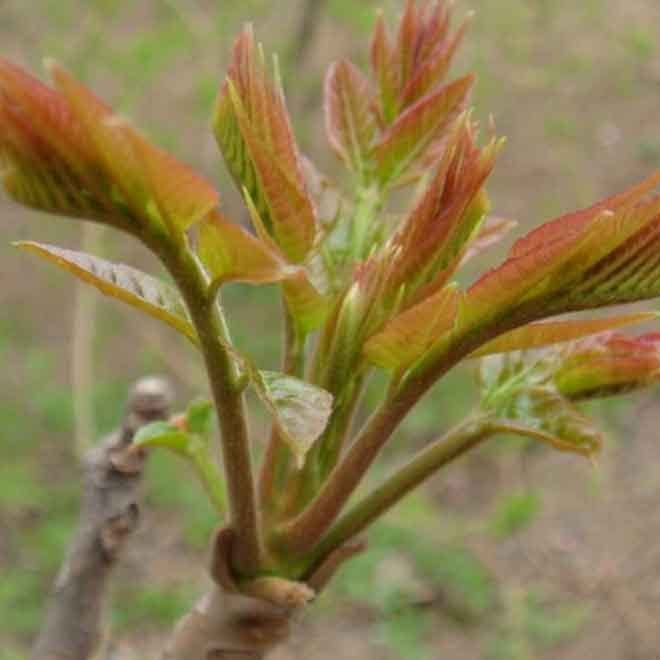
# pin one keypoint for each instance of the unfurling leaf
(188, 436)
(253, 131)
(521, 394)
(440, 227)
(349, 121)
(546, 416)
(230, 253)
(412, 333)
(418, 60)
(538, 335)
(608, 364)
(300, 410)
(132, 286)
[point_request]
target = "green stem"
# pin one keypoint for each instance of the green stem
(276, 465)
(369, 201)
(340, 423)
(301, 534)
(428, 461)
(227, 390)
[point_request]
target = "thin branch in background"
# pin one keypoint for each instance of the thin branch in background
(82, 347)
(109, 514)
(188, 371)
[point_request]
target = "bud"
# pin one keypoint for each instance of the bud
(608, 364)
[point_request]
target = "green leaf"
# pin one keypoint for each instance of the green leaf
(199, 417)
(163, 434)
(518, 389)
(191, 445)
(132, 286)
(300, 410)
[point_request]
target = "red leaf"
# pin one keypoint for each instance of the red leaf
(382, 66)
(181, 195)
(48, 162)
(434, 235)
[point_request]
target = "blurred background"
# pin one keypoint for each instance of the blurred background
(517, 552)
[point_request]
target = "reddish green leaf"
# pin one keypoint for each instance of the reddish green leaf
(573, 223)
(182, 197)
(349, 122)
(439, 228)
(132, 286)
(590, 259)
(382, 66)
(537, 335)
(46, 159)
(418, 60)
(607, 364)
(148, 180)
(417, 128)
(230, 253)
(408, 336)
(434, 68)
(307, 305)
(253, 131)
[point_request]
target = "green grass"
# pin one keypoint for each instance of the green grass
(515, 512)
(38, 488)
(156, 607)
(531, 624)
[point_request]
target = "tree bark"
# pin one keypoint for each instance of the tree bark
(247, 619)
(227, 626)
(237, 619)
(109, 513)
